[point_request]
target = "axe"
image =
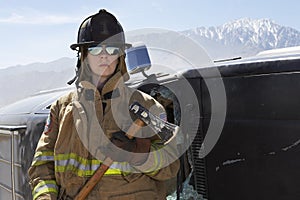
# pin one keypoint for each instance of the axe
(163, 129)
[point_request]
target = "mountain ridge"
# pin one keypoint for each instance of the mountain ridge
(240, 38)
(248, 36)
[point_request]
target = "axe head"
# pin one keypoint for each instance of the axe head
(164, 130)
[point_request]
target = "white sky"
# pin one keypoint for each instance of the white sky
(41, 31)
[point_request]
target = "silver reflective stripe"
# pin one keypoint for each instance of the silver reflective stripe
(77, 164)
(92, 167)
(125, 167)
(43, 158)
(40, 160)
(46, 187)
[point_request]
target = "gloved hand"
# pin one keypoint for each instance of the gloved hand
(124, 149)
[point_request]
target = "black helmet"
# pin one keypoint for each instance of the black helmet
(102, 27)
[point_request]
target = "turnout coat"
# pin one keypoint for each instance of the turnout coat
(78, 129)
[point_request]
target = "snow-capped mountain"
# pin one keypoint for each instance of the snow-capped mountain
(244, 37)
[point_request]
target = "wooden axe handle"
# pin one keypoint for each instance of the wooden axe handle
(97, 176)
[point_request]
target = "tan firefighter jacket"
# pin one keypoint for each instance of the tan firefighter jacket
(79, 125)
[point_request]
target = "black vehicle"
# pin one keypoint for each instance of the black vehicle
(253, 156)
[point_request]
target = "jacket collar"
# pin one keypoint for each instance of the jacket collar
(111, 88)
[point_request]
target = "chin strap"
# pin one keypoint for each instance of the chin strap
(76, 72)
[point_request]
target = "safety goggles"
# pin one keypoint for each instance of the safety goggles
(110, 50)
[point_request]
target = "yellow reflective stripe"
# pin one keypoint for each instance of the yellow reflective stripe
(77, 158)
(118, 168)
(158, 160)
(83, 173)
(42, 157)
(43, 153)
(113, 172)
(74, 169)
(48, 186)
(85, 167)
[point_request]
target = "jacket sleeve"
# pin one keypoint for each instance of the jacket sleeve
(162, 163)
(41, 173)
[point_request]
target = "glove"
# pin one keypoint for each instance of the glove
(121, 149)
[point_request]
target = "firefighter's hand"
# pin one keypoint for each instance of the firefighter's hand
(122, 149)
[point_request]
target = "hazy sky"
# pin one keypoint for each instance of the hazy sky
(41, 31)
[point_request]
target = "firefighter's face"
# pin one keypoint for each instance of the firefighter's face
(103, 60)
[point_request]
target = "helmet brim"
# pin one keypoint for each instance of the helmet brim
(77, 46)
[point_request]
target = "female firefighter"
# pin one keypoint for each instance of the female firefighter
(89, 124)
